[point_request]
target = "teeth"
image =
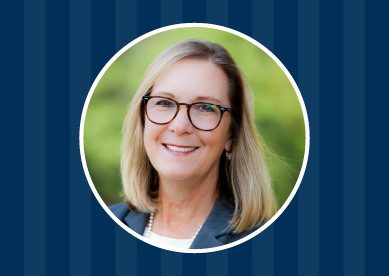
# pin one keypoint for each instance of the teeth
(180, 149)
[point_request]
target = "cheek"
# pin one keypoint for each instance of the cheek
(224, 133)
(215, 141)
(150, 135)
(146, 135)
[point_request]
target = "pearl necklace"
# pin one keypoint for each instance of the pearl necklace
(150, 227)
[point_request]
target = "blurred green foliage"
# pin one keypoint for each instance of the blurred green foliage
(278, 114)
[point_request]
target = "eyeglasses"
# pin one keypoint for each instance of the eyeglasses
(203, 116)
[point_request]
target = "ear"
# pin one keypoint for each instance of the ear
(228, 145)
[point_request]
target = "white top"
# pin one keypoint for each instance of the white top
(166, 241)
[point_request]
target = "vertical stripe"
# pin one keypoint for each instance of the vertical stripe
(149, 259)
(285, 34)
(102, 34)
(377, 137)
(286, 227)
(57, 138)
(194, 11)
(80, 193)
(354, 138)
(12, 131)
(263, 22)
(308, 72)
(126, 253)
(217, 263)
(263, 244)
(331, 147)
(171, 12)
(240, 262)
(286, 241)
(103, 48)
(149, 15)
(263, 253)
(217, 12)
(126, 19)
(171, 263)
(103, 241)
(240, 15)
(34, 138)
(194, 264)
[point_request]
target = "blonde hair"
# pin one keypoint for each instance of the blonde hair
(244, 180)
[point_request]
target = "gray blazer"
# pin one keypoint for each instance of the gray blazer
(215, 230)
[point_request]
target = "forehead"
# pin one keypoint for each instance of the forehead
(193, 79)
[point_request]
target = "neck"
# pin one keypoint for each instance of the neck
(183, 207)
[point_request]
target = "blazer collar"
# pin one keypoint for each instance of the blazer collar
(215, 226)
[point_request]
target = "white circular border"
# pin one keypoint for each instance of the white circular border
(252, 41)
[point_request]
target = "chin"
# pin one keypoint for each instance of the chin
(176, 174)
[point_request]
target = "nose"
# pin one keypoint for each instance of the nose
(181, 123)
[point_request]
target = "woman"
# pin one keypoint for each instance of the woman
(192, 167)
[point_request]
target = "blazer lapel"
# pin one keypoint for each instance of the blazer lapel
(137, 221)
(215, 227)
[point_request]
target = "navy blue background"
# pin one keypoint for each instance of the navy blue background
(51, 224)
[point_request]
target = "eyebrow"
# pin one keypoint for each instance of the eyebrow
(200, 98)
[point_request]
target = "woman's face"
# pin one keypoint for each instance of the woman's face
(177, 150)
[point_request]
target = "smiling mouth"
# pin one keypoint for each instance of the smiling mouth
(183, 149)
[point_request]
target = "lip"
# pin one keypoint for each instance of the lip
(169, 148)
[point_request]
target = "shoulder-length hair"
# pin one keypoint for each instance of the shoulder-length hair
(244, 180)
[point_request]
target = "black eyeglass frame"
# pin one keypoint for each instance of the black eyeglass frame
(222, 109)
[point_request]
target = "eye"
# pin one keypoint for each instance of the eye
(164, 103)
(206, 107)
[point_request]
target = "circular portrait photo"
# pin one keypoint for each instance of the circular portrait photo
(194, 138)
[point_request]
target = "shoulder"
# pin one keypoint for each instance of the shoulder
(135, 220)
(216, 230)
(231, 237)
(120, 210)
